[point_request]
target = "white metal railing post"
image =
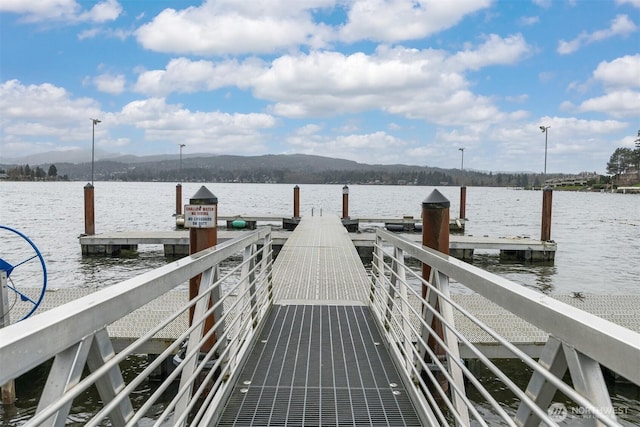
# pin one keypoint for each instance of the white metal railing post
(248, 277)
(266, 270)
(378, 261)
(195, 340)
(404, 310)
(451, 342)
(392, 289)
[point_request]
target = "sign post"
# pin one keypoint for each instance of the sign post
(201, 218)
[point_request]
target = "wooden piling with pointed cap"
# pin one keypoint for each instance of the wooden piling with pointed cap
(200, 239)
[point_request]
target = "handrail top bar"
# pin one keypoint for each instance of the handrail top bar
(613, 345)
(47, 329)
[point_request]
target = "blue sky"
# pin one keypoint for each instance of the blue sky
(375, 81)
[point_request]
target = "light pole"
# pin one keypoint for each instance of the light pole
(93, 140)
(462, 161)
(545, 130)
(180, 171)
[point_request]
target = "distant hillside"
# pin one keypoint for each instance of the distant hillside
(293, 168)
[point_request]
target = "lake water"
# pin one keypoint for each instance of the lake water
(598, 234)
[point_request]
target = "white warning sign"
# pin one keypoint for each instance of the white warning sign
(200, 216)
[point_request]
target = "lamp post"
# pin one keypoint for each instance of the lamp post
(545, 130)
(93, 139)
(180, 171)
(462, 161)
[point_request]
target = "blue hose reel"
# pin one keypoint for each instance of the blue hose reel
(9, 269)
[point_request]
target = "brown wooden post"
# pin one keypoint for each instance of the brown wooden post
(345, 202)
(463, 202)
(203, 234)
(435, 228)
(89, 217)
(547, 197)
(296, 202)
(435, 235)
(178, 199)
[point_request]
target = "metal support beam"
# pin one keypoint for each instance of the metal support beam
(65, 373)
(539, 389)
(110, 385)
(587, 378)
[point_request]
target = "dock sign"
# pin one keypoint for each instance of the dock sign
(200, 216)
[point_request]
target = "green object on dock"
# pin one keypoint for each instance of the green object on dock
(239, 223)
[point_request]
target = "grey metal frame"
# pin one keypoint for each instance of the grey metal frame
(75, 335)
(578, 341)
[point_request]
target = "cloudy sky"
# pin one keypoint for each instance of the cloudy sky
(375, 81)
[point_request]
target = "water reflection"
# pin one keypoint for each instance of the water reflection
(538, 275)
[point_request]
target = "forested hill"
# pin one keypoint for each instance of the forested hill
(292, 169)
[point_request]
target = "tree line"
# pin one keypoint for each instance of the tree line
(625, 160)
(27, 173)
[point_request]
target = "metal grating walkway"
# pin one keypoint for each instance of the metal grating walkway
(319, 264)
(319, 366)
(319, 360)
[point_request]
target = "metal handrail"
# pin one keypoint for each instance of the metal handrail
(76, 334)
(579, 342)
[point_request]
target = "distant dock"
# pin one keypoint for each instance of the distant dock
(176, 243)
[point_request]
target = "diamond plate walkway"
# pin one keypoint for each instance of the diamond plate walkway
(319, 360)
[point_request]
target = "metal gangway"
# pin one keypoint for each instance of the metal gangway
(418, 341)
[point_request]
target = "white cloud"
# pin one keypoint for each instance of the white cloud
(620, 26)
(38, 118)
(109, 83)
(635, 3)
(231, 27)
(210, 132)
(397, 20)
(495, 50)
(529, 20)
(376, 147)
(543, 3)
(624, 71)
(62, 10)
(619, 104)
(426, 84)
(183, 75)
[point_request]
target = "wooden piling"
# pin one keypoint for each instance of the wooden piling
(89, 218)
(547, 197)
(201, 238)
(296, 202)
(435, 235)
(435, 228)
(345, 202)
(463, 202)
(178, 199)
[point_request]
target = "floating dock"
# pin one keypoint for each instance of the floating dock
(176, 243)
